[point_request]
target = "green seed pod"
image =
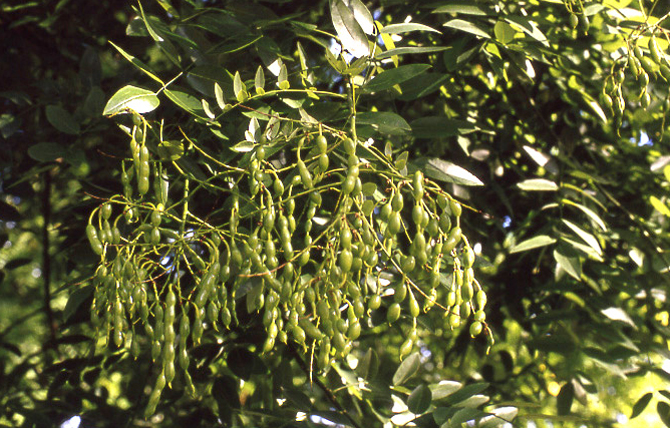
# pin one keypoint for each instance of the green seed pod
(453, 240)
(655, 50)
(349, 184)
(647, 65)
(665, 72)
(606, 101)
(451, 298)
(354, 330)
(414, 309)
(143, 184)
(465, 310)
(349, 146)
(324, 162)
(397, 202)
(584, 22)
(400, 292)
(321, 143)
(405, 348)
(480, 298)
(476, 328)
(645, 100)
(155, 350)
(311, 330)
(445, 222)
(394, 224)
(468, 257)
(480, 316)
(455, 208)
(374, 302)
(278, 187)
(106, 211)
(393, 313)
(94, 241)
(442, 201)
(408, 263)
(634, 65)
(305, 175)
(574, 20)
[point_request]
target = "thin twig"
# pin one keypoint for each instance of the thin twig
(329, 394)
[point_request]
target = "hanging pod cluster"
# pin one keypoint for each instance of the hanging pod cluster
(642, 67)
(311, 230)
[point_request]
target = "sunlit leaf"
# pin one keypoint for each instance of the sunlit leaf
(468, 27)
(532, 243)
(571, 265)
(586, 236)
(443, 170)
(407, 28)
(538, 185)
(131, 97)
(348, 29)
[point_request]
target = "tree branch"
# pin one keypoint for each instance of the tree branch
(329, 394)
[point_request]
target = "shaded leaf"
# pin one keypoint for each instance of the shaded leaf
(466, 392)
(641, 404)
(440, 127)
(368, 366)
(504, 32)
(137, 63)
(532, 243)
(131, 97)
(46, 152)
(186, 102)
(60, 119)
(408, 368)
(465, 415)
(8, 213)
(663, 410)
(75, 300)
(384, 122)
(565, 398)
(389, 78)
(419, 400)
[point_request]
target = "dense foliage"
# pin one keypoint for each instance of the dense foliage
(287, 213)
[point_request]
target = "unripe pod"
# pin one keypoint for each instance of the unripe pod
(476, 328)
(655, 50)
(393, 313)
(405, 348)
(321, 143)
(93, 239)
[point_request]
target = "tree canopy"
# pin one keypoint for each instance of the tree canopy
(343, 212)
